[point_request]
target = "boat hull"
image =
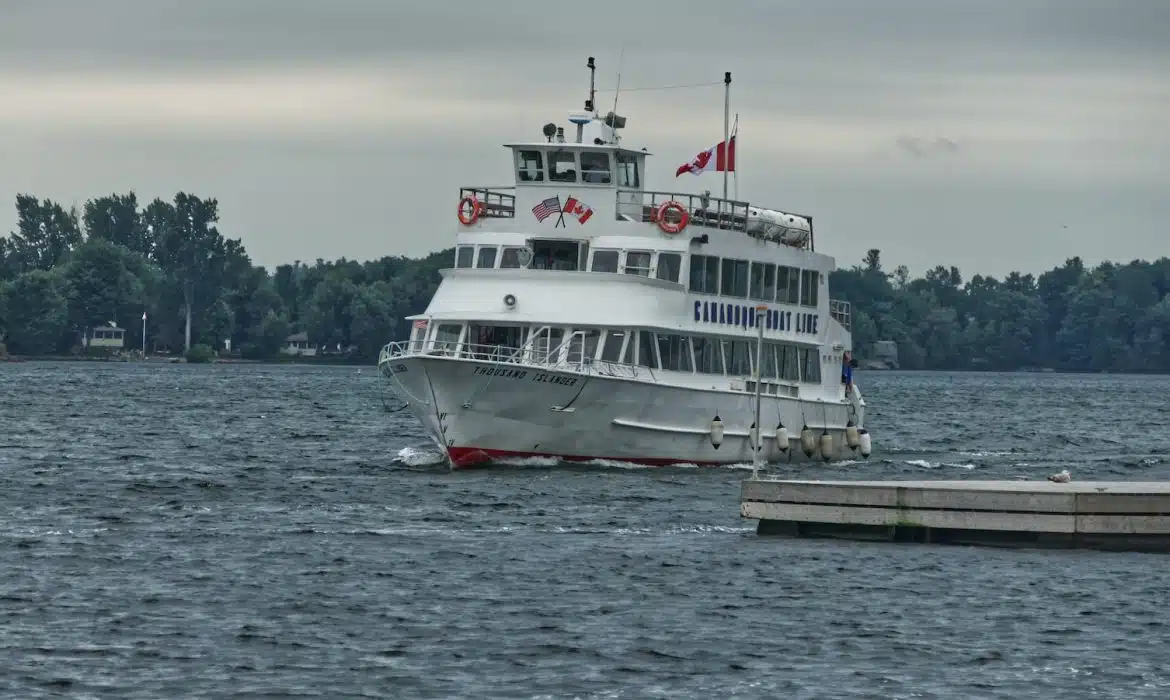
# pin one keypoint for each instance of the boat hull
(482, 412)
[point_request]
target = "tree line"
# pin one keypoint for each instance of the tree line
(1111, 317)
(64, 272)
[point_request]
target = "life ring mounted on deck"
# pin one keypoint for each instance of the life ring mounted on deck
(668, 226)
(470, 209)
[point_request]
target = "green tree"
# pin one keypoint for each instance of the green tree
(37, 313)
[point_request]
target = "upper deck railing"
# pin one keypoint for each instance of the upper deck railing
(703, 211)
(498, 202)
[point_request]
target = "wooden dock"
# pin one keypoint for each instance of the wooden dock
(1114, 515)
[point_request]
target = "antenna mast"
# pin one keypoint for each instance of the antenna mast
(591, 104)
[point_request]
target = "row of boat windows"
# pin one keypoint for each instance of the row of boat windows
(709, 274)
(564, 165)
(696, 353)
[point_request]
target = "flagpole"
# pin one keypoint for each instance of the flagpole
(726, 127)
(144, 335)
(735, 135)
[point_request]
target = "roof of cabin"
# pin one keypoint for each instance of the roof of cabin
(574, 144)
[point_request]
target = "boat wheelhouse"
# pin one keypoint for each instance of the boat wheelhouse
(586, 316)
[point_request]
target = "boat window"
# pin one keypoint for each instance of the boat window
(595, 168)
(704, 274)
(638, 263)
(447, 338)
(554, 255)
(487, 256)
(708, 358)
(605, 261)
(510, 257)
(810, 365)
(583, 345)
(646, 350)
(789, 362)
(612, 350)
(734, 281)
(464, 255)
(562, 166)
(669, 266)
(739, 362)
(763, 281)
(787, 281)
(674, 352)
(530, 166)
(809, 283)
(627, 170)
(546, 346)
(499, 343)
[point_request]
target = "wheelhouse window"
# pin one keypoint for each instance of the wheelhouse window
(787, 285)
(669, 266)
(562, 166)
(638, 263)
(555, 255)
(627, 170)
(734, 281)
(530, 166)
(704, 274)
(763, 285)
(464, 256)
(510, 257)
(605, 261)
(487, 257)
(595, 168)
(809, 283)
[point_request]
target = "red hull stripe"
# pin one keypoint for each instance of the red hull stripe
(474, 456)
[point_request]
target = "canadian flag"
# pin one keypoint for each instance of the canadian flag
(719, 158)
(577, 208)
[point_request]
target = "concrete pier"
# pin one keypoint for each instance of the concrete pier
(1114, 515)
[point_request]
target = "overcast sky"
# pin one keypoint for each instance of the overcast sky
(992, 134)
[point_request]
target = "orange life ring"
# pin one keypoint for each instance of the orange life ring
(676, 226)
(468, 218)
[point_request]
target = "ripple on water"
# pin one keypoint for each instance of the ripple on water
(186, 531)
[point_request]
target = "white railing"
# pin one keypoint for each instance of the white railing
(526, 356)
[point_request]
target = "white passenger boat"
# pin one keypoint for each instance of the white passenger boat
(587, 317)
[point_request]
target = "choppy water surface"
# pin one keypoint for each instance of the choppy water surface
(182, 531)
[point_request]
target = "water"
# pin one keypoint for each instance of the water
(258, 531)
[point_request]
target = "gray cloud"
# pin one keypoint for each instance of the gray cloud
(909, 125)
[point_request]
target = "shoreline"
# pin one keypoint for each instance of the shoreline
(179, 359)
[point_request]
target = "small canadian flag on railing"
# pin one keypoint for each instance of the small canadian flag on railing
(720, 158)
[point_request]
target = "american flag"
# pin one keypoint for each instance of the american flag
(420, 323)
(547, 208)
